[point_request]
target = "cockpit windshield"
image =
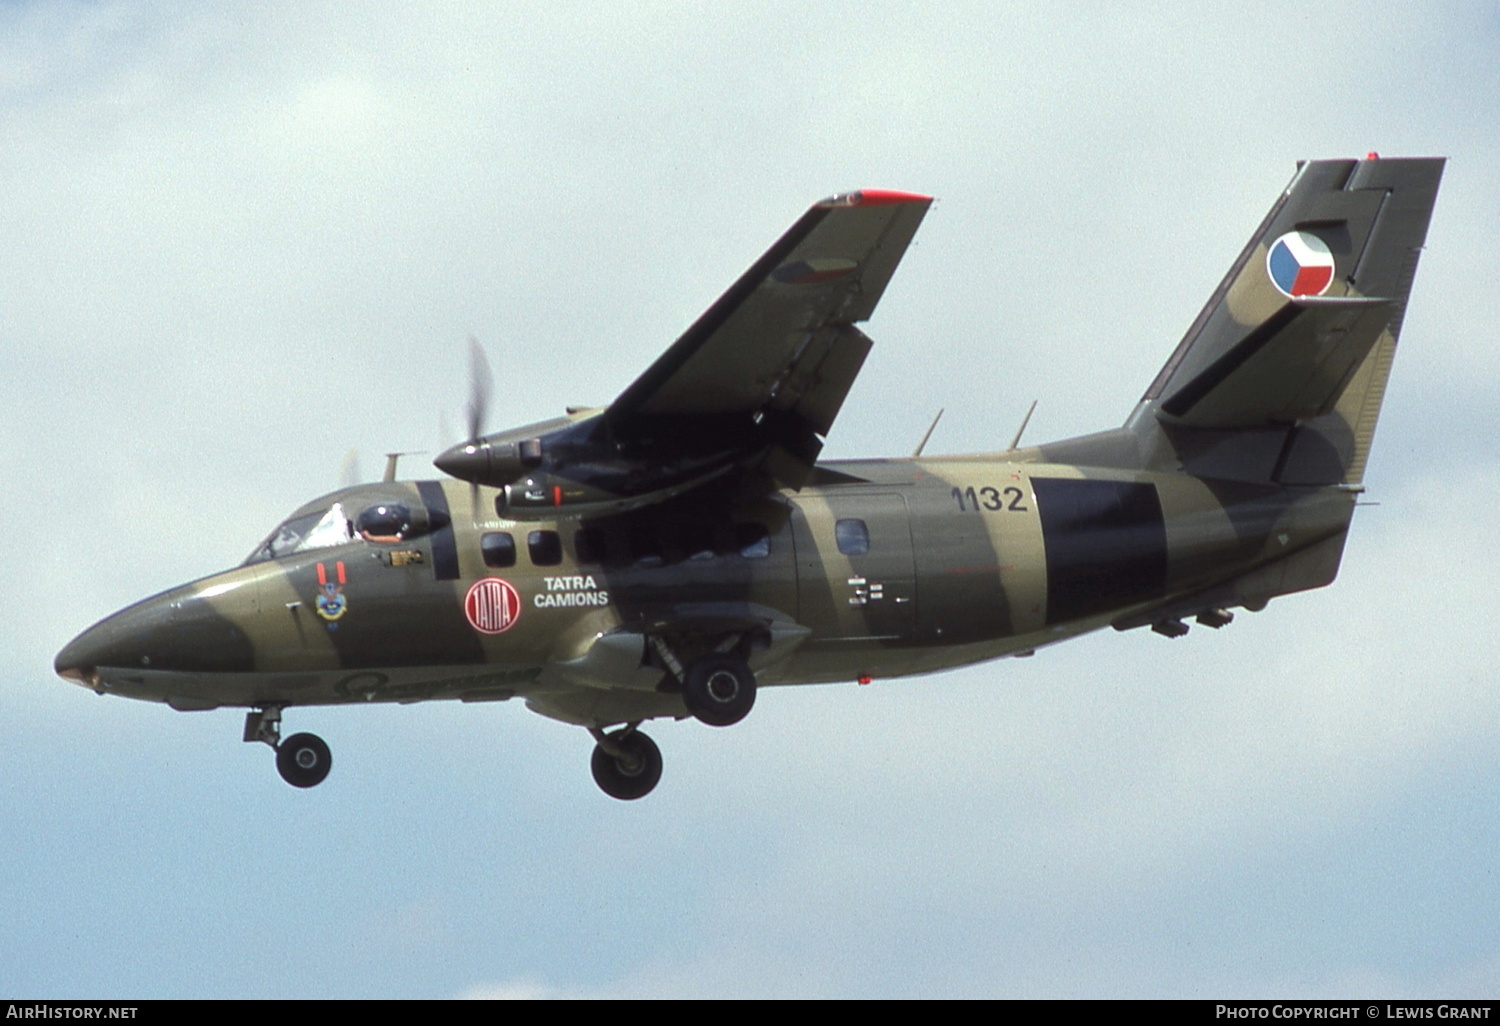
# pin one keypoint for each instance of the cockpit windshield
(316, 530)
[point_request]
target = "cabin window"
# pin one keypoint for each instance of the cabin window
(645, 546)
(588, 545)
(545, 547)
(752, 540)
(853, 537)
(498, 548)
(696, 541)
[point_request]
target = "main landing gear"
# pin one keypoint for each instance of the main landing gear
(718, 689)
(303, 760)
(626, 763)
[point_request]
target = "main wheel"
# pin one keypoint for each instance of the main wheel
(303, 760)
(719, 689)
(633, 773)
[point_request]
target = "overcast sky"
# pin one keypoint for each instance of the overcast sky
(240, 239)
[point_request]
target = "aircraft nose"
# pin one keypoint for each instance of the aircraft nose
(78, 659)
(125, 640)
(173, 631)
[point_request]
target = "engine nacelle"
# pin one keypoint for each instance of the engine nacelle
(544, 496)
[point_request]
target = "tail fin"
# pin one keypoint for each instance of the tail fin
(1281, 376)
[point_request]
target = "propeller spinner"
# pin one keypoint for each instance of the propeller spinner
(480, 460)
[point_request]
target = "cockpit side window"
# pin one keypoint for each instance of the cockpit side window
(315, 530)
(386, 522)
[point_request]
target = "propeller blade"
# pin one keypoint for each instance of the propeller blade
(481, 380)
(349, 474)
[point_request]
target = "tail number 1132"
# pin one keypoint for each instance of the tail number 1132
(993, 499)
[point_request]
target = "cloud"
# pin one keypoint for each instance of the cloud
(240, 241)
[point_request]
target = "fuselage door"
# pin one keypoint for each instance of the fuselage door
(855, 574)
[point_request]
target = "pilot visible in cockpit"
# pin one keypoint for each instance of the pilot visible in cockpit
(386, 523)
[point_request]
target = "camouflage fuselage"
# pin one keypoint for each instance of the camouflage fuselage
(879, 568)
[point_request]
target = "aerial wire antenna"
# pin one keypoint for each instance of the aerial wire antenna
(1016, 441)
(923, 443)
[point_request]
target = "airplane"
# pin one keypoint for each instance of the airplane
(675, 552)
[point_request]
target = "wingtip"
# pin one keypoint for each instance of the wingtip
(874, 198)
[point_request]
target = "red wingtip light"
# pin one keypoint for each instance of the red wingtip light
(1372, 155)
(887, 197)
(865, 679)
(875, 198)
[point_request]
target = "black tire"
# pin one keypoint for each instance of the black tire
(719, 690)
(303, 760)
(633, 776)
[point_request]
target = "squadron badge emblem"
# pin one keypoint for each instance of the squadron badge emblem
(332, 604)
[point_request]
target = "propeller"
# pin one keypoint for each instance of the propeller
(480, 461)
(481, 381)
(349, 474)
(469, 460)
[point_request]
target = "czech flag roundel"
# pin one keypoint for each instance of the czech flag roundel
(1300, 264)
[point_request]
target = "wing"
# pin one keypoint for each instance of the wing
(780, 347)
(744, 398)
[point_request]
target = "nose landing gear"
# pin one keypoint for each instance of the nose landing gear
(303, 760)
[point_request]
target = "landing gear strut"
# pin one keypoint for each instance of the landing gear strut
(303, 760)
(626, 764)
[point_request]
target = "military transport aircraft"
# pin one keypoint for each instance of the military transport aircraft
(674, 552)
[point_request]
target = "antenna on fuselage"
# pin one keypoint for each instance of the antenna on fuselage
(923, 443)
(391, 458)
(1016, 441)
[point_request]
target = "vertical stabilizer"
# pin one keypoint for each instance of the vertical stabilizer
(1286, 366)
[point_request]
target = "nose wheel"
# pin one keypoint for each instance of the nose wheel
(303, 760)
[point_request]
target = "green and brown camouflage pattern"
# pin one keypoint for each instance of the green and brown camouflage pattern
(1232, 482)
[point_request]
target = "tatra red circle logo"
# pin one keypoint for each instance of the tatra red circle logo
(492, 606)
